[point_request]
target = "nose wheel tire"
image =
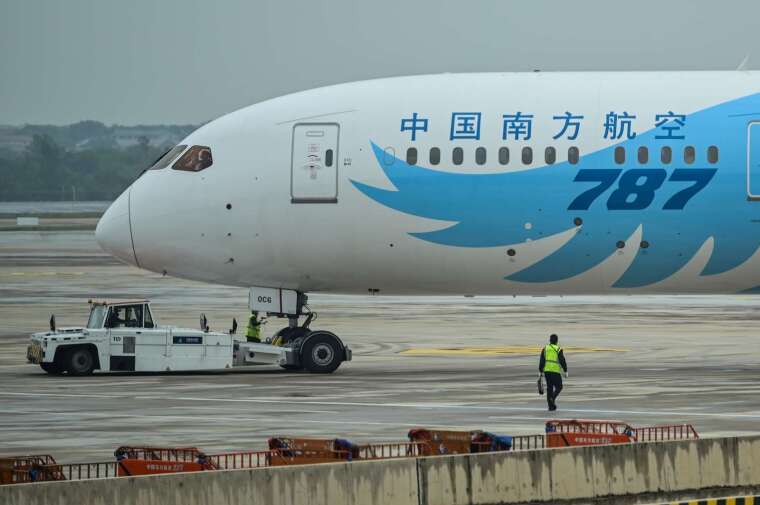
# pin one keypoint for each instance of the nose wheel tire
(80, 361)
(322, 352)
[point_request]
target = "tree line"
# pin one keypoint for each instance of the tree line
(46, 171)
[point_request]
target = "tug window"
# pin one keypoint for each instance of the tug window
(480, 155)
(573, 155)
(168, 157)
(712, 155)
(411, 156)
(435, 156)
(148, 318)
(504, 155)
(125, 316)
(196, 158)
(458, 156)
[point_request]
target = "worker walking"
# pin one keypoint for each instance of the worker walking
(253, 331)
(551, 366)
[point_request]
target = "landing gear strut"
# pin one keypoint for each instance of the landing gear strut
(318, 351)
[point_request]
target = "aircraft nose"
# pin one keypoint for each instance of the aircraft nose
(114, 230)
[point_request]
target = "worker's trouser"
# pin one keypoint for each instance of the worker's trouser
(553, 387)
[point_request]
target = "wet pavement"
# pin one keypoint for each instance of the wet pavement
(685, 359)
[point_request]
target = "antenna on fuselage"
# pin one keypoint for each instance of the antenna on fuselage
(744, 65)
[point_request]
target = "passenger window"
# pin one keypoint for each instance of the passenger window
(527, 155)
(168, 157)
(196, 158)
(573, 155)
(457, 156)
(504, 155)
(666, 155)
(689, 155)
(712, 155)
(643, 155)
(435, 156)
(550, 155)
(411, 156)
(620, 155)
(480, 155)
(329, 158)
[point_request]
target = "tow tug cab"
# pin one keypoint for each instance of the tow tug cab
(124, 337)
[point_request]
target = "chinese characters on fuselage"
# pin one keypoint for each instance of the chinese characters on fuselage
(518, 126)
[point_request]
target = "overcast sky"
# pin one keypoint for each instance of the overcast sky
(189, 61)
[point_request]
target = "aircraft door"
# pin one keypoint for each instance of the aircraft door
(753, 161)
(314, 165)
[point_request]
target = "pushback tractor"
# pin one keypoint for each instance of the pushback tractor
(124, 336)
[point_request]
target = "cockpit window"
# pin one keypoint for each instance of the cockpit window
(168, 157)
(196, 158)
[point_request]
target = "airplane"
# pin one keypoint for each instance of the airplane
(534, 183)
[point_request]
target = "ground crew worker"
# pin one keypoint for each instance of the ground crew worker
(253, 331)
(551, 366)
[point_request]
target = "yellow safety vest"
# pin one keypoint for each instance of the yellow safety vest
(551, 358)
(254, 328)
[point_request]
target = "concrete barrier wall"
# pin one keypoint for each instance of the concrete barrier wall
(610, 472)
(371, 483)
(591, 472)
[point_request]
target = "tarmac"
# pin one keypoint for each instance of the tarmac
(448, 363)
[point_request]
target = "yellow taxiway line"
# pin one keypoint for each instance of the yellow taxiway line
(739, 500)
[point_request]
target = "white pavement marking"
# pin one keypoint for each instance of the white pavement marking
(261, 420)
(89, 384)
(279, 411)
(63, 395)
(416, 405)
(518, 418)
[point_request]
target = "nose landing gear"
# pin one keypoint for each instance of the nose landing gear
(318, 351)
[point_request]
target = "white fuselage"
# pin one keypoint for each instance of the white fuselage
(276, 209)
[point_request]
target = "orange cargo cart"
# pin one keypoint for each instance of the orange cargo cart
(24, 469)
(155, 460)
(306, 451)
(579, 432)
(435, 442)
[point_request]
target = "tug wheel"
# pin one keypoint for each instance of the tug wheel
(322, 352)
(80, 361)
